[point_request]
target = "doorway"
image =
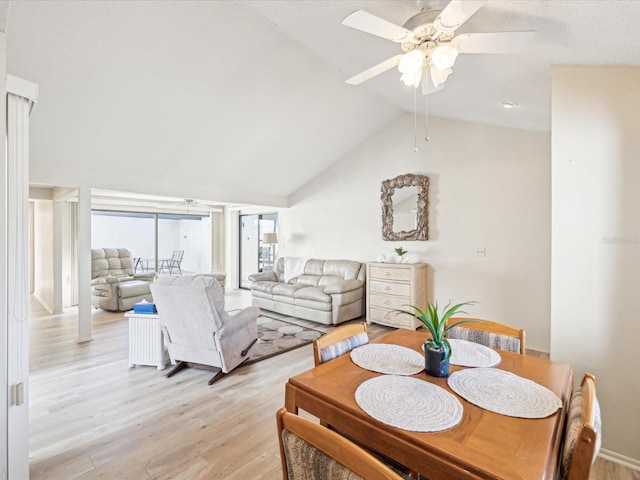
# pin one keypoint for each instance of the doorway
(258, 245)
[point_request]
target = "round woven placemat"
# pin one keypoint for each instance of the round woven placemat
(504, 392)
(470, 354)
(389, 359)
(409, 403)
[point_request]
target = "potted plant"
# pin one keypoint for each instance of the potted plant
(437, 349)
(400, 252)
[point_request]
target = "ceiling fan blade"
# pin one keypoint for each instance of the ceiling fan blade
(366, 22)
(382, 67)
(502, 42)
(456, 13)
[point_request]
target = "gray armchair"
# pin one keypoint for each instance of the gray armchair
(197, 330)
(114, 284)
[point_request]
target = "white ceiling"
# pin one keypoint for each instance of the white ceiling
(245, 101)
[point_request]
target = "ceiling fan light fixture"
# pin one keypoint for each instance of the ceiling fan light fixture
(411, 66)
(411, 62)
(411, 79)
(443, 57)
(438, 77)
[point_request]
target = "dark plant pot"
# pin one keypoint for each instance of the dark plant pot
(434, 363)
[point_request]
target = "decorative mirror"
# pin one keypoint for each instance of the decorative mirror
(404, 208)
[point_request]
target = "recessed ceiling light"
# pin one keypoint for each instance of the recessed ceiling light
(509, 105)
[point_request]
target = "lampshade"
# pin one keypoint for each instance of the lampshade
(411, 62)
(270, 238)
(443, 57)
(439, 76)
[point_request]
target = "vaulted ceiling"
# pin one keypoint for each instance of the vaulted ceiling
(245, 101)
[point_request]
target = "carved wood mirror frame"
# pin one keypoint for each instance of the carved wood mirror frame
(421, 182)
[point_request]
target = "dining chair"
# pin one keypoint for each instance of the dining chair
(310, 451)
(336, 343)
(486, 332)
(339, 341)
(582, 431)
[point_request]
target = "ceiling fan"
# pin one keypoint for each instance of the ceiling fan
(187, 204)
(429, 43)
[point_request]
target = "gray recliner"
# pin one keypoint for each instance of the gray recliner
(114, 284)
(197, 330)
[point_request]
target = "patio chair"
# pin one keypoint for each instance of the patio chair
(582, 432)
(312, 452)
(491, 334)
(167, 265)
(198, 331)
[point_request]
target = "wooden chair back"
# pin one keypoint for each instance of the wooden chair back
(350, 456)
(581, 434)
(491, 328)
(338, 334)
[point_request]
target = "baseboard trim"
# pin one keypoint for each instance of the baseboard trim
(620, 459)
(538, 349)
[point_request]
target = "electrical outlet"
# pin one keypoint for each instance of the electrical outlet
(481, 252)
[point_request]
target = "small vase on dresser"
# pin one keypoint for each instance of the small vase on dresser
(393, 286)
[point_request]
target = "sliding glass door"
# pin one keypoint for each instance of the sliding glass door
(153, 237)
(258, 245)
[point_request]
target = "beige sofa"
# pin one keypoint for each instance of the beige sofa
(324, 291)
(114, 284)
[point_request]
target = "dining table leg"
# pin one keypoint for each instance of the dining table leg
(290, 399)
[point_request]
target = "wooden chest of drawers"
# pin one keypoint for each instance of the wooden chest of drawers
(394, 286)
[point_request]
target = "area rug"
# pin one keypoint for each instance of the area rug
(277, 335)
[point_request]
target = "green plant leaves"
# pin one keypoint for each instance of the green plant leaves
(400, 251)
(436, 323)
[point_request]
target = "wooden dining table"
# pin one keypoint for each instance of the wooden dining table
(484, 445)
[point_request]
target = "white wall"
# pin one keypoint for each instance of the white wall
(135, 233)
(43, 253)
(489, 187)
(3, 256)
(596, 240)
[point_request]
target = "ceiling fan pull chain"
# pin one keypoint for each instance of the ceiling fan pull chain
(415, 120)
(426, 118)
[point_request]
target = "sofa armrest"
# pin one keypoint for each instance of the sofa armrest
(240, 320)
(344, 286)
(261, 276)
(105, 280)
(150, 276)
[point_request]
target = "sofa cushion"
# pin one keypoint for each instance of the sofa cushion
(111, 261)
(308, 280)
(313, 293)
(314, 267)
(286, 289)
(134, 288)
(265, 286)
(313, 304)
(345, 269)
(284, 299)
(326, 280)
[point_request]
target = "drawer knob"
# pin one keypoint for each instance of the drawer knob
(386, 274)
(387, 302)
(387, 287)
(387, 316)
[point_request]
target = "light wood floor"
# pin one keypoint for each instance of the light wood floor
(94, 418)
